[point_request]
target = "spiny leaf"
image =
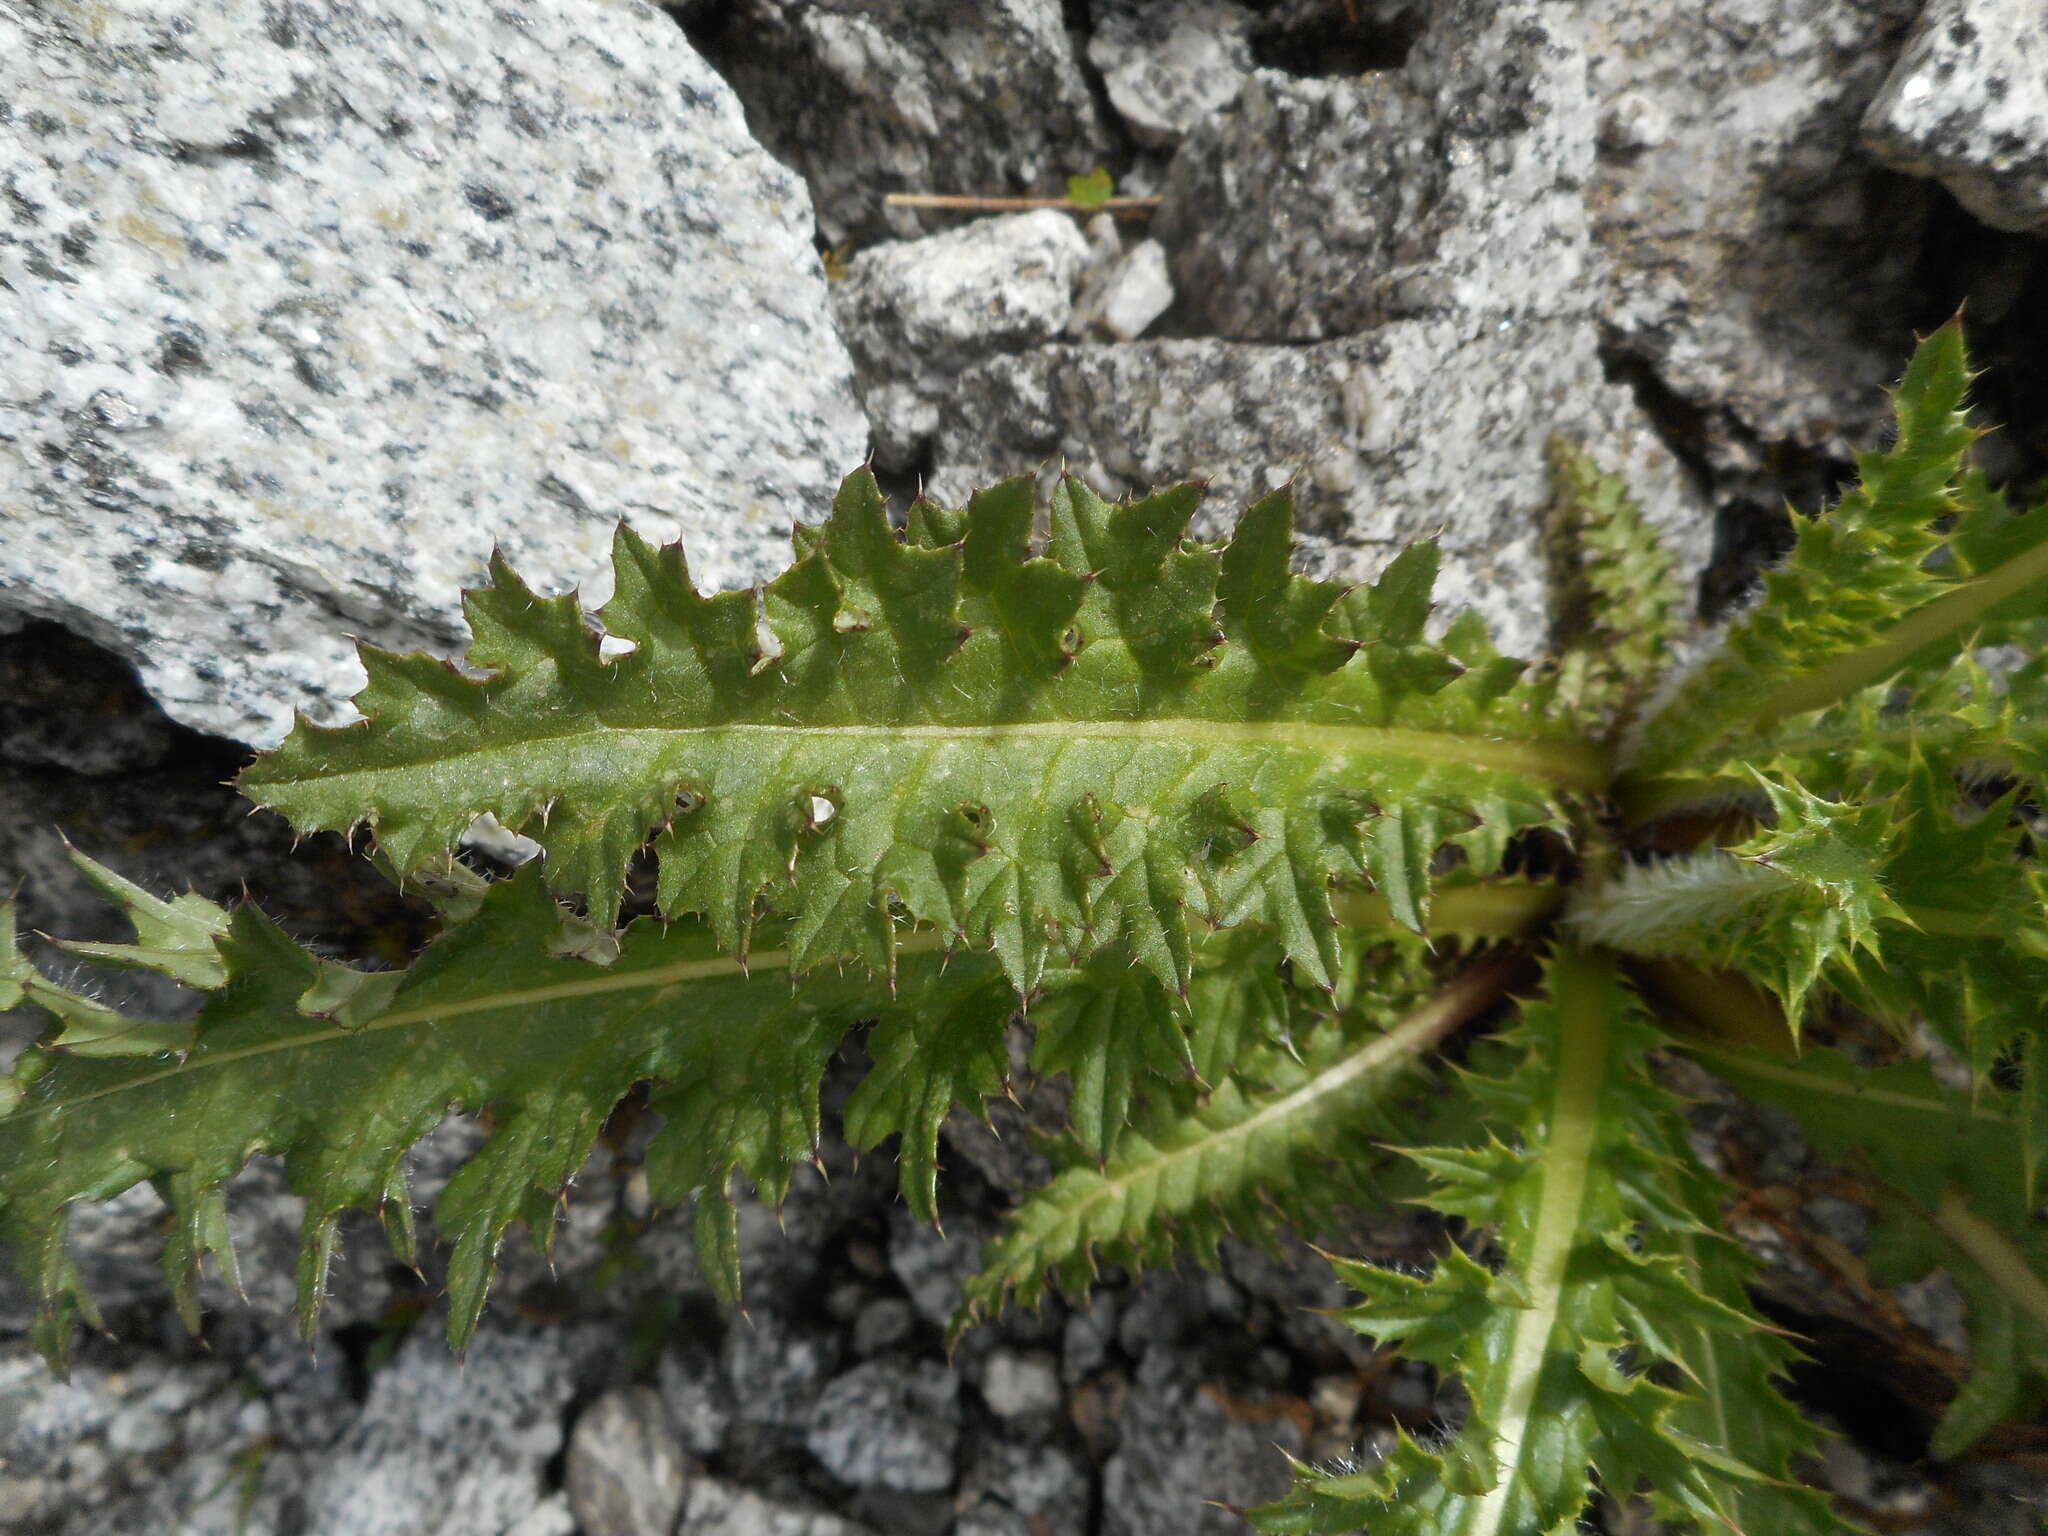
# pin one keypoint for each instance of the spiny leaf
(1852, 576)
(174, 938)
(1592, 1209)
(1286, 1138)
(487, 1017)
(1619, 605)
(948, 1049)
(1801, 898)
(178, 938)
(1105, 1026)
(1026, 750)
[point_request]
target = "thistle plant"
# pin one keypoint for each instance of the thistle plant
(1267, 868)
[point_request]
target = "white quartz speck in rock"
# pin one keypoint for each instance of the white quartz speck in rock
(1018, 1385)
(1125, 297)
(306, 307)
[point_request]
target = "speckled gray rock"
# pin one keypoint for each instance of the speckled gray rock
(699, 1400)
(718, 1508)
(777, 1366)
(307, 306)
(1181, 1445)
(456, 1447)
(1415, 427)
(1757, 260)
(1288, 216)
(916, 312)
(160, 1444)
(626, 1471)
(1450, 186)
(1689, 180)
(550, 1517)
(916, 96)
(885, 1425)
(1167, 65)
(1010, 1486)
(932, 1266)
(1967, 104)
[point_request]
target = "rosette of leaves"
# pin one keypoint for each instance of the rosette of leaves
(1247, 850)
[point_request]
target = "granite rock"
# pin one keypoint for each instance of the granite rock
(159, 1443)
(914, 313)
(626, 1471)
(1413, 428)
(550, 1517)
(1288, 216)
(1756, 260)
(1184, 1442)
(778, 1365)
(1688, 182)
(1169, 65)
(930, 1265)
(1450, 186)
(885, 1425)
(1020, 1386)
(308, 305)
(1967, 104)
(456, 1447)
(716, 1508)
(883, 1323)
(699, 1400)
(917, 96)
(1035, 1487)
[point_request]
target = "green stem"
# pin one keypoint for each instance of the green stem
(1993, 1252)
(1583, 991)
(1493, 911)
(1726, 1006)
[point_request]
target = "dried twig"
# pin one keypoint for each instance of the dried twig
(1122, 207)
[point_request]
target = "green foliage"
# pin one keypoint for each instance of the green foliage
(1253, 859)
(1091, 190)
(1619, 609)
(1045, 755)
(1599, 1211)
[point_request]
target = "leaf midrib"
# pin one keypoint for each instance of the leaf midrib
(1567, 762)
(405, 1018)
(1406, 1040)
(1583, 1012)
